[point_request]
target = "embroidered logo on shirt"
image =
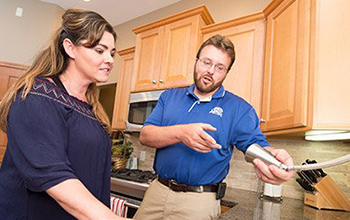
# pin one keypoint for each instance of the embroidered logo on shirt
(217, 111)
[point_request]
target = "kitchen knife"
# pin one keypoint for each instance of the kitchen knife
(310, 175)
(315, 172)
(305, 185)
(303, 176)
(319, 171)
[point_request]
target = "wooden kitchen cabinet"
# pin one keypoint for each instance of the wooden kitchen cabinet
(166, 49)
(9, 73)
(121, 101)
(306, 66)
(147, 59)
(287, 65)
(246, 75)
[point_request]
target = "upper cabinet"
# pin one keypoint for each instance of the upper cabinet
(121, 100)
(306, 66)
(166, 49)
(246, 75)
(287, 63)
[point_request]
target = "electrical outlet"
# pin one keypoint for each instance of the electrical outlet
(142, 155)
(19, 12)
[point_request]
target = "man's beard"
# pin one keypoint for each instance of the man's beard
(208, 87)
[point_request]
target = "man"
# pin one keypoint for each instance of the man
(194, 130)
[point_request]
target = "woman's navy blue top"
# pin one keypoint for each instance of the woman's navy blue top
(52, 137)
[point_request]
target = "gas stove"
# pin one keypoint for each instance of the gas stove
(131, 183)
(140, 176)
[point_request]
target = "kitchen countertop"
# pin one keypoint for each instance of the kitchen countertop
(250, 206)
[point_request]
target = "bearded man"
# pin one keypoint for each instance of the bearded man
(194, 130)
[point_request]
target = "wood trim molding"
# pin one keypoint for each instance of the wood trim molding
(287, 131)
(126, 51)
(234, 22)
(14, 65)
(272, 6)
(199, 10)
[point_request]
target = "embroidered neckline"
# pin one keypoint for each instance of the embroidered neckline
(45, 88)
(43, 79)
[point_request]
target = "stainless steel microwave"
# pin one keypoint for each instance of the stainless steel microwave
(140, 107)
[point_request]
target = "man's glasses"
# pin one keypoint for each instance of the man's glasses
(207, 63)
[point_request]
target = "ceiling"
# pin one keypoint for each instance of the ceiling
(116, 11)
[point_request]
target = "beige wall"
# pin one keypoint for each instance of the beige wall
(22, 37)
(221, 10)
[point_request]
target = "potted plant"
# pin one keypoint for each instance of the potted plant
(121, 150)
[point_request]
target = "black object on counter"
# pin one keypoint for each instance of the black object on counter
(304, 177)
(310, 177)
(306, 186)
(310, 174)
(320, 172)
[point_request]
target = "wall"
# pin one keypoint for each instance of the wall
(22, 37)
(242, 174)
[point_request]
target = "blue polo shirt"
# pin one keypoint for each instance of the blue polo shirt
(235, 120)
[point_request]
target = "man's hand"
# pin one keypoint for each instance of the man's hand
(272, 174)
(194, 136)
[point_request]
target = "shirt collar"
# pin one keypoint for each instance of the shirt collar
(218, 94)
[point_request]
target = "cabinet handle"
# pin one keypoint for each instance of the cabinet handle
(262, 121)
(160, 80)
(153, 81)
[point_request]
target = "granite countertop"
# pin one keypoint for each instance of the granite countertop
(250, 206)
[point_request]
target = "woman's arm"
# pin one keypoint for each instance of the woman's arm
(76, 199)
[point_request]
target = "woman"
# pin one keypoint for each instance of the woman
(57, 161)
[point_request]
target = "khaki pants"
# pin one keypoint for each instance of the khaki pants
(161, 203)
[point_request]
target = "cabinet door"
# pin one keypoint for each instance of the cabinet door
(246, 75)
(179, 53)
(9, 73)
(147, 60)
(286, 80)
(121, 102)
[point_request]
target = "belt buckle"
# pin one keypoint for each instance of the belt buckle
(177, 187)
(200, 189)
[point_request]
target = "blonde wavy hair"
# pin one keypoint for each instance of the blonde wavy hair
(77, 25)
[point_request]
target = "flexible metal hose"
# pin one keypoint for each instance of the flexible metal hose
(256, 151)
(321, 165)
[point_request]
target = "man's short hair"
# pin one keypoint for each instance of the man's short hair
(222, 43)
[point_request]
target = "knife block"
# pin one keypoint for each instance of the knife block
(327, 196)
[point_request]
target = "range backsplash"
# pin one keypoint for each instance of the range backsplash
(242, 175)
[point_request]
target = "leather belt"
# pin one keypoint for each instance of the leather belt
(177, 187)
